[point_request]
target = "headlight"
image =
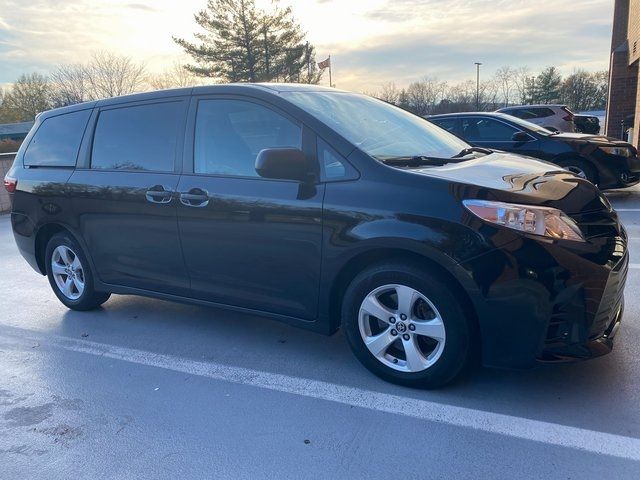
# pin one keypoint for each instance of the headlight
(544, 221)
(620, 151)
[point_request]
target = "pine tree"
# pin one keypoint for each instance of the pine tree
(241, 43)
(547, 85)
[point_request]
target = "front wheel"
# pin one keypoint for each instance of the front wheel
(406, 325)
(70, 275)
(581, 169)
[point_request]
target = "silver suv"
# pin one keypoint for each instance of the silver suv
(552, 117)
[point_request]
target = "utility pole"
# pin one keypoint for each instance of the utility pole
(478, 85)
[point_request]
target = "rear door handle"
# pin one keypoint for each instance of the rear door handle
(158, 194)
(196, 197)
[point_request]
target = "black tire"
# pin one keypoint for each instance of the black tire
(577, 164)
(457, 345)
(89, 298)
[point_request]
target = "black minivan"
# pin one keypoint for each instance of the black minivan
(323, 209)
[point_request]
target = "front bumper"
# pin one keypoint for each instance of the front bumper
(618, 172)
(540, 302)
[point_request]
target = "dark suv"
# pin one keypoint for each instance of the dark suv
(322, 209)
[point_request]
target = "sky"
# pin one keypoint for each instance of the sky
(371, 42)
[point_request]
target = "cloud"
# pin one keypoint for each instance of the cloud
(370, 41)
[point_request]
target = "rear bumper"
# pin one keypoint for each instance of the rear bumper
(25, 236)
(541, 302)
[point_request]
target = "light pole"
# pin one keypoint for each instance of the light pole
(478, 85)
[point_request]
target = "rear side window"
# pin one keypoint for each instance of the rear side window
(56, 142)
(139, 137)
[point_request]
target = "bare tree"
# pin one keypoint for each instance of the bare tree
(505, 77)
(522, 81)
(70, 85)
(424, 95)
(29, 95)
(174, 77)
(389, 93)
(110, 75)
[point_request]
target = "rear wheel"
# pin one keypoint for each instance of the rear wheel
(406, 325)
(70, 275)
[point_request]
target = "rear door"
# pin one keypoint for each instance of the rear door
(496, 134)
(248, 241)
(124, 195)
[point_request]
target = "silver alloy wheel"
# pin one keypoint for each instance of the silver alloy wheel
(67, 272)
(401, 328)
(577, 170)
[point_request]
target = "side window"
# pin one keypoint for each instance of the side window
(543, 112)
(331, 163)
(449, 124)
(229, 134)
(56, 142)
(486, 129)
(138, 137)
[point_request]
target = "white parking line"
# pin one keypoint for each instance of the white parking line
(518, 427)
(634, 265)
(627, 209)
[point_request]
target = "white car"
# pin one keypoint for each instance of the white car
(552, 117)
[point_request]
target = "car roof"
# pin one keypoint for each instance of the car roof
(539, 105)
(499, 115)
(229, 88)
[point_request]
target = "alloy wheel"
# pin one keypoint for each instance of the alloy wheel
(68, 272)
(402, 328)
(577, 170)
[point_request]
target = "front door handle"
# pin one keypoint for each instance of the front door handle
(196, 197)
(158, 194)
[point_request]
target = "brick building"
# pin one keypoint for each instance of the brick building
(623, 106)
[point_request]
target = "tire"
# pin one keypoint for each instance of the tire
(581, 168)
(434, 310)
(70, 274)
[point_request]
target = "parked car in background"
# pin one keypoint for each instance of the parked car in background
(552, 117)
(607, 162)
(587, 124)
(326, 210)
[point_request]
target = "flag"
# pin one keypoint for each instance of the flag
(325, 63)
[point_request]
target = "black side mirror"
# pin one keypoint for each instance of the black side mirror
(283, 164)
(521, 137)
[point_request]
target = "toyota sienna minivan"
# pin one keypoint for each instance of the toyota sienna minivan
(323, 209)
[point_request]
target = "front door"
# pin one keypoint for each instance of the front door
(248, 241)
(124, 196)
(497, 135)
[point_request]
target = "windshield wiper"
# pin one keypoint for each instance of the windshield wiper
(468, 151)
(414, 161)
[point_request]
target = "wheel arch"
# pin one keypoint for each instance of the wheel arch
(362, 260)
(44, 233)
(567, 157)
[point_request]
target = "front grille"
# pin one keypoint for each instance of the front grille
(612, 299)
(600, 223)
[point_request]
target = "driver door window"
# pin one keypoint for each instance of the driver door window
(229, 134)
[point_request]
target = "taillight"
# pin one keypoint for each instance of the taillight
(10, 184)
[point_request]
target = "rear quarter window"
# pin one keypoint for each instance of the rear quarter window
(57, 140)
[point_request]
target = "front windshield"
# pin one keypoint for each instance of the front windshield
(377, 128)
(527, 125)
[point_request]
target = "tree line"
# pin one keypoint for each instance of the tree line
(581, 91)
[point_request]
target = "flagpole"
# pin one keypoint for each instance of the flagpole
(330, 82)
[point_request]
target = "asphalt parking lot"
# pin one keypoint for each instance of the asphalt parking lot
(150, 389)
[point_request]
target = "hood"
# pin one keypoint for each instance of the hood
(517, 179)
(586, 138)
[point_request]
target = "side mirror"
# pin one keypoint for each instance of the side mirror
(521, 137)
(283, 164)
